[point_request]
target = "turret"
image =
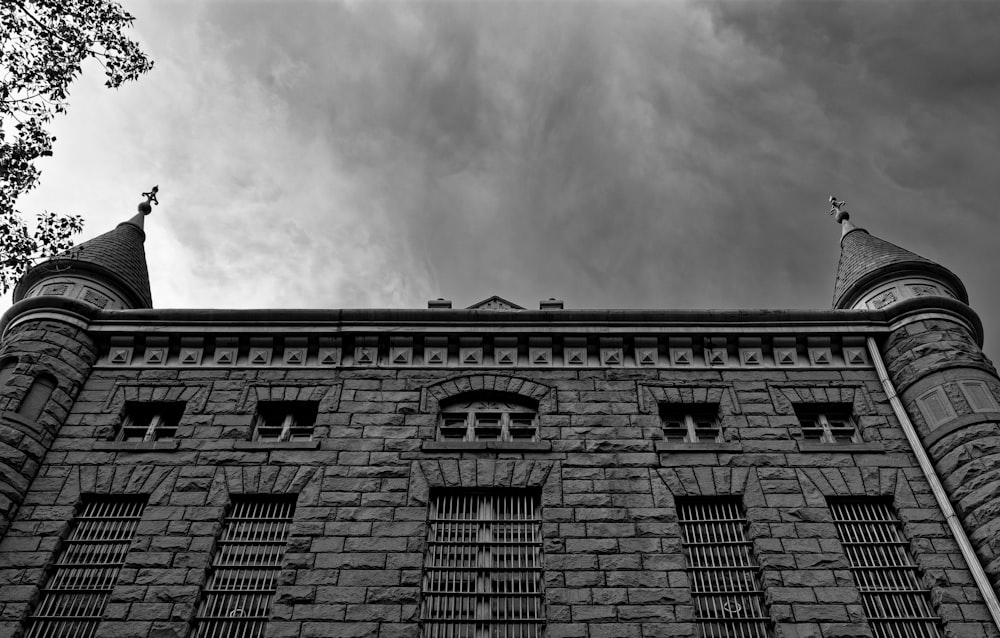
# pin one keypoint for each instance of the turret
(874, 273)
(108, 271)
(933, 354)
(46, 354)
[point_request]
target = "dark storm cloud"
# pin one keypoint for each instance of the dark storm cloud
(594, 151)
(617, 154)
(927, 73)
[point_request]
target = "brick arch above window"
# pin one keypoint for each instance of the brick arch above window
(325, 396)
(653, 395)
(821, 483)
(480, 474)
(786, 396)
(194, 395)
(469, 386)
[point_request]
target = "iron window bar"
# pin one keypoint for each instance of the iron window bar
(827, 423)
(483, 568)
(242, 582)
(691, 423)
(150, 421)
(74, 598)
(725, 575)
(283, 421)
(894, 599)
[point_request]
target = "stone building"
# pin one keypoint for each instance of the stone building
(497, 471)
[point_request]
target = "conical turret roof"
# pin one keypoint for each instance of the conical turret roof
(865, 259)
(117, 255)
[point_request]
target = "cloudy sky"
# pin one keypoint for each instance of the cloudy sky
(611, 154)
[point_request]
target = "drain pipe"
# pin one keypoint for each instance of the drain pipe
(968, 553)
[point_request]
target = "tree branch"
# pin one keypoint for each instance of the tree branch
(48, 30)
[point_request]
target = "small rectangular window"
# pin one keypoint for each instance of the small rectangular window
(75, 596)
(725, 575)
(895, 601)
(691, 422)
(244, 573)
(978, 394)
(483, 568)
(150, 421)
(827, 423)
(936, 407)
(279, 421)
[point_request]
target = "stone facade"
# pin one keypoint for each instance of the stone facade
(608, 484)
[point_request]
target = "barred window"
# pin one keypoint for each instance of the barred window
(483, 569)
(489, 419)
(243, 577)
(827, 423)
(152, 421)
(725, 576)
(897, 604)
(285, 420)
(86, 570)
(691, 422)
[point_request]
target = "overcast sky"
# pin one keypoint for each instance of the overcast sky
(611, 154)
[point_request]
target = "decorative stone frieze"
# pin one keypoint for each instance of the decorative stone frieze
(505, 350)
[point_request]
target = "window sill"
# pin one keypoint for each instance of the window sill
(701, 446)
(496, 446)
(137, 446)
(276, 445)
(844, 448)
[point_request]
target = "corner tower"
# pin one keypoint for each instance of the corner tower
(874, 273)
(108, 271)
(46, 353)
(933, 357)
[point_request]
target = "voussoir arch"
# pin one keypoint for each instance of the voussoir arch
(472, 384)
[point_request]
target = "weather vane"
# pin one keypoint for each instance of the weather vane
(144, 207)
(838, 209)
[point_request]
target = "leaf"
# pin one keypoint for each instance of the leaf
(45, 43)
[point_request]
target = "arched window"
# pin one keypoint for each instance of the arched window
(37, 396)
(504, 417)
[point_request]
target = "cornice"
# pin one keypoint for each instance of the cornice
(918, 308)
(64, 309)
(449, 319)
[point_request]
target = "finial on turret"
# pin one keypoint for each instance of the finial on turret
(144, 207)
(838, 209)
(841, 215)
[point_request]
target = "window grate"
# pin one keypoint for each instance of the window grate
(76, 594)
(483, 569)
(897, 604)
(243, 577)
(725, 576)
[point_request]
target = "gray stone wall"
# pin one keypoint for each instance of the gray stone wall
(40, 347)
(608, 483)
(964, 445)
